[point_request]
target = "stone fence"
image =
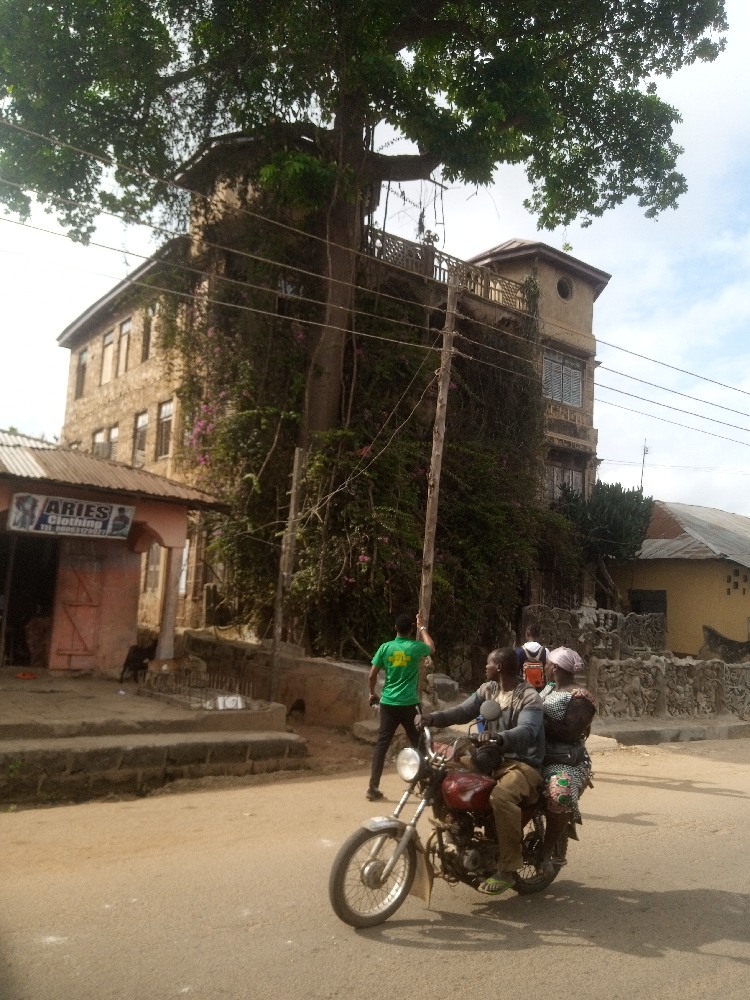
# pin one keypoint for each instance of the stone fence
(594, 631)
(661, 686)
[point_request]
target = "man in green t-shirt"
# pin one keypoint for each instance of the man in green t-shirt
(399, 701)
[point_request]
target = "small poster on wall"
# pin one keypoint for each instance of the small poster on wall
(64, 516)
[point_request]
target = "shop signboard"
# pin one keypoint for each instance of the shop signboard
(35, 514)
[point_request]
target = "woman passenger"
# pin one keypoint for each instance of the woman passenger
(568, 711)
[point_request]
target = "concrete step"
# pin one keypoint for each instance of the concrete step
(271, 717)
(71, 768)
(671, 729)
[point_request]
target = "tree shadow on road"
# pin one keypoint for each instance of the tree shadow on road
(8, 986)
(634, 922)
(669, 784)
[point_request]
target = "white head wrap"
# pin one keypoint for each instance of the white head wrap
(566, 659)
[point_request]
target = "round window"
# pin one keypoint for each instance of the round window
(564, 289)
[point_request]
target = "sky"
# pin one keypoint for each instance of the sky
(679, 293)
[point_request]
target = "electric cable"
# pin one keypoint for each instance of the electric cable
(666, 406)
(663, 420)
(109, 161)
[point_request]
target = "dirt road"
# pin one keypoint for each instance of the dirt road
(223, 894)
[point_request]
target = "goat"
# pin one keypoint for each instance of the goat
(136, 662)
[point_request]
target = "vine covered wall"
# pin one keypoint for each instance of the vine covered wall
(246, 350)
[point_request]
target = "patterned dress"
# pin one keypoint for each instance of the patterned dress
(563, 784)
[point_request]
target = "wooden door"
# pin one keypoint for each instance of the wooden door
(80, 581)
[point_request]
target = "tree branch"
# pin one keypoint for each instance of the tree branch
(408, 167)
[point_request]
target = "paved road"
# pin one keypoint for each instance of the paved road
(223, 894)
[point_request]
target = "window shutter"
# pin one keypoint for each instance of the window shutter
(576, 388)
(552, 378)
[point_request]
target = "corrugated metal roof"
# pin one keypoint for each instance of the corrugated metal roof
(77, 468)
(709, 534)
(14, 438)
(682, 547)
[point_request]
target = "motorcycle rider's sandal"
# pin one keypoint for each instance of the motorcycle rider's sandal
(497, 883)
(373, 794)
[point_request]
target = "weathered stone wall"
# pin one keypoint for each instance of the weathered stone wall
(660, 686)
(594, 631)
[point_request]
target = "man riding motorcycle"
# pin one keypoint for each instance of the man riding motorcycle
(513, 752)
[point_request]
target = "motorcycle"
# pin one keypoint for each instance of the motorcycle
(384, 860)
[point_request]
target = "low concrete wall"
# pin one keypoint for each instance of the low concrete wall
(334, 693)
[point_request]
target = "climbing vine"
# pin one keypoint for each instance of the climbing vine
(244, 348)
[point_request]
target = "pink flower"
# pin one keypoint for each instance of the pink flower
(359, 350)
(364, 452)
(364, 559)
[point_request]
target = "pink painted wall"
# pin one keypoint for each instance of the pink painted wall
(98, 580)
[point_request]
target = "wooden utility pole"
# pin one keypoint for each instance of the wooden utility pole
(438, 439)
(286, 568)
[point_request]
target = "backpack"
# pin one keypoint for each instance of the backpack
(533, 667)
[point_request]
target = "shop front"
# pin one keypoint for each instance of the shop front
(73, 529)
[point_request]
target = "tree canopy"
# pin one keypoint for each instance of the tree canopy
(566, 87)
(611, 523)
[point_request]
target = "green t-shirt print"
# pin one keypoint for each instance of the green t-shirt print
(400, 660)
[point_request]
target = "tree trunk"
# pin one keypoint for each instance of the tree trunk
(324, 378)
(343, 232)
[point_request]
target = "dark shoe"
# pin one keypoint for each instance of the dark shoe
(373, 794)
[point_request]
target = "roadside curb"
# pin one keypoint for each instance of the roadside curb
(81, 767)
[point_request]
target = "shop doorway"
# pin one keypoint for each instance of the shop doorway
(28, 606)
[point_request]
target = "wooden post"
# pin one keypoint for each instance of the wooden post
(6, 595)
(170, 599)
(438, 438)
(286, 568)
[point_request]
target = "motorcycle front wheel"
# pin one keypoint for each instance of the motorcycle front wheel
(357, 892)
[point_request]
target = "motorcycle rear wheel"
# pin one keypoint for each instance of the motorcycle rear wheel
(529, 879)
(354, 888)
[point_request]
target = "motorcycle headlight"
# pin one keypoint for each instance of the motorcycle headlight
(408, 764)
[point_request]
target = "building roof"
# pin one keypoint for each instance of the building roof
(109, 301)
(683, 531)
(518, 249)
(10, 438)
(65, 467)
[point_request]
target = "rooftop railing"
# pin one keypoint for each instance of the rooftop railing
(427, 260)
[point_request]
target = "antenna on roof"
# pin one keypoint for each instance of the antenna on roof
(643, 462)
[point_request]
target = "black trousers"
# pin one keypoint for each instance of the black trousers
(391, 717)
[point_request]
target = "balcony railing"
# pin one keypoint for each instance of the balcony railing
(421, 258)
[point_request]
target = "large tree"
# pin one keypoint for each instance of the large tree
(564, 86)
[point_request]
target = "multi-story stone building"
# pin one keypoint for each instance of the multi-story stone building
(122, 400)
(568, 289)
(122, 404)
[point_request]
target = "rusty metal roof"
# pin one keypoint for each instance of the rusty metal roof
(63, 466)
(707, 533)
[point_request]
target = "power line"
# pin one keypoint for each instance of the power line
(675, 392)
(109, 161)
(227, 249)
(677, 409)
(220, 277)
(684, 371)
(651, 416)
(678, 468)
(231, 305)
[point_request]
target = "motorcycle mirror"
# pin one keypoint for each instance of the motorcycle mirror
(490, 710)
